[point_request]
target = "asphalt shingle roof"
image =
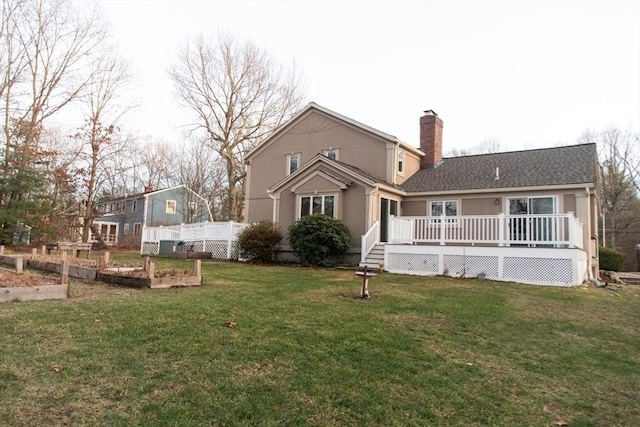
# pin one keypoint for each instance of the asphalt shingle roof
(531, 168)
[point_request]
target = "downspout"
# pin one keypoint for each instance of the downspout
(592, 279)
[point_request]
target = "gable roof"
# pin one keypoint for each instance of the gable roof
(348, 170)
(313, 106)
(530, 168)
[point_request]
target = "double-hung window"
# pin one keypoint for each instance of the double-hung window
(400, 162)
(171, 207)
(293, 162)
(323, 204)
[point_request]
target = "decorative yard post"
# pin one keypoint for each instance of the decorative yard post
(107, 258)
(147, 261)
(34, 253)
(19, 265)
(364, 293)
(198, 268)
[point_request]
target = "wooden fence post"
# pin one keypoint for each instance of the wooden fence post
(107, 257)
(19, 266)
(152, 269)
(147, 260)
(198, 268)
(1, 249)
(64, 274)
(43, 250)
(34, 253)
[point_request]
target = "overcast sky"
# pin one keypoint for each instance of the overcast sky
(529, 73)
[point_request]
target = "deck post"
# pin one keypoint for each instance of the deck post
(501, 226)
(443, 229)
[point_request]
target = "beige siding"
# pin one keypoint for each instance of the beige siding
(350, 202)
(310, 136)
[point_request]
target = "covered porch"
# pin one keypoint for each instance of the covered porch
(536, 249)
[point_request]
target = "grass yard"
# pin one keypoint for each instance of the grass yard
(306, 351)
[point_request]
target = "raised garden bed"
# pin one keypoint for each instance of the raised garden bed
(27, 287)
(117, 275)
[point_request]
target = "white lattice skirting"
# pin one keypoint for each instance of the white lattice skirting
(536, 266)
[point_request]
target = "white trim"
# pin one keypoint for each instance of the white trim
(580, 186)
(312, 195)
(334, 180)
(288, 158)
(319, 158)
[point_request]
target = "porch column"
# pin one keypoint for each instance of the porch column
(443, 228)
(501, 226)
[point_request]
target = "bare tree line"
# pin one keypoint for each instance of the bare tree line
(56, 55)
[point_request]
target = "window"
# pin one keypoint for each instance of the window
(331, 153)
(137, 229)
(193, 208)
(400, 161)
(317, 204)
(293, 162)
(125, 230)
(134, 205)
(446, 208)
(171, 207)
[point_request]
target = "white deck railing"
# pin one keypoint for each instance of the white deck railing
(200, 233)
(369, 240)
(193, 232)
(503, 230)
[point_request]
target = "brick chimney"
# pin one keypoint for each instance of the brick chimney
(430, 139)
(148, 189)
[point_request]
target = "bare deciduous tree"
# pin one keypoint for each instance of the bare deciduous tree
(238, 95)
(618, 157)
(100, 137)
(201, 169)
(44, 46)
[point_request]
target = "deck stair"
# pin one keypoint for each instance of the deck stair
(376, 256)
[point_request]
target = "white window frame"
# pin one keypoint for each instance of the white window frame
(137, 229)
(170, 210)
(336, 152)
(311, 196)
(288, 165)
(400, 161)
(452, 221)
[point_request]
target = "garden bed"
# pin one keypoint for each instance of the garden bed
(27, 287)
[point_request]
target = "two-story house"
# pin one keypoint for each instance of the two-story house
(392, 193)
(120, 219)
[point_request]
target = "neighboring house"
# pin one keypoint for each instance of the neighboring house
(538, 204)
(120, 220)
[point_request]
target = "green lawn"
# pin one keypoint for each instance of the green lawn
(307, 351)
